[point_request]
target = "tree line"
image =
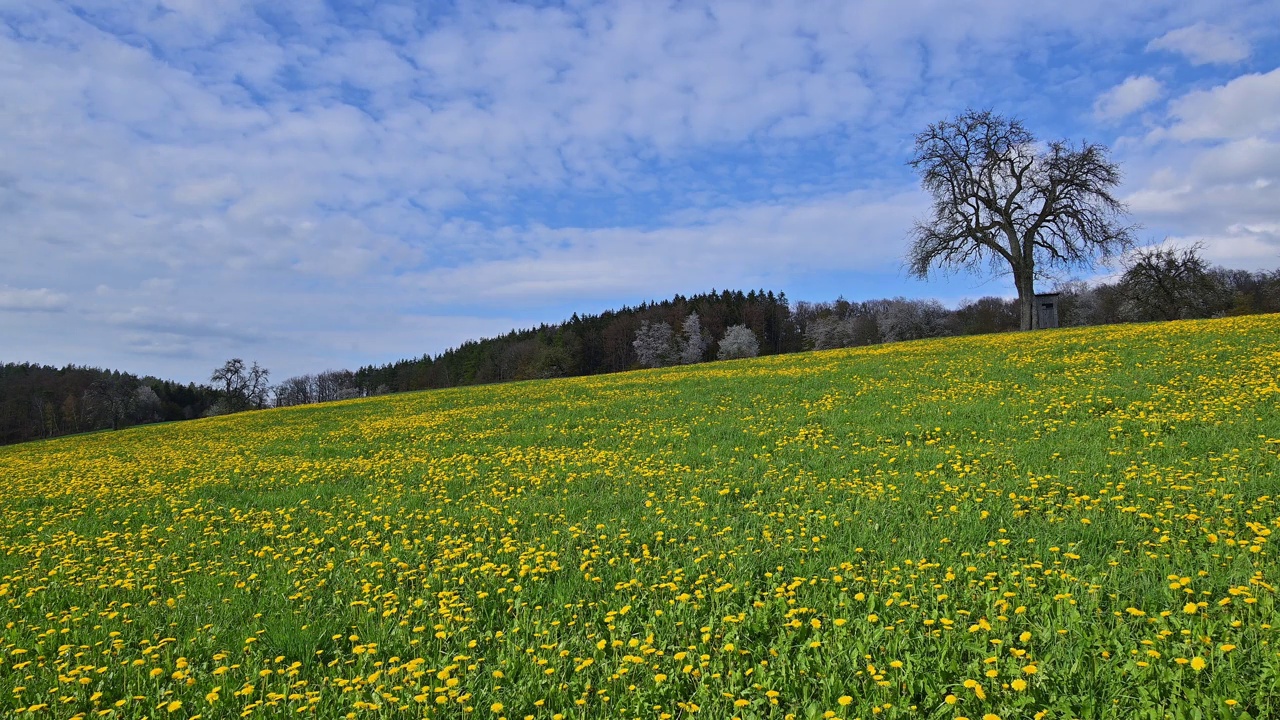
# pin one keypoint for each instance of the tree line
(1158, 284)
(1161, 283)
(40, 401)
(597, 344)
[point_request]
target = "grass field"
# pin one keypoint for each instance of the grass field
(1071, 523)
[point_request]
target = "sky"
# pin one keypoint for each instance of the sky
(319, 185)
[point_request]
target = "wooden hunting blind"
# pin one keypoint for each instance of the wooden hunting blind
(1047, 310)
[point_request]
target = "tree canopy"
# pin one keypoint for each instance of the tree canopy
(1004, 201)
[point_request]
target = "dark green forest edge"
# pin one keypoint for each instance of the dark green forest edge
(39, 401)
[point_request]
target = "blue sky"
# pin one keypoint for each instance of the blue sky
(318, 184)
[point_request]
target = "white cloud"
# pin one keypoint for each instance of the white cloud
(183, 324)
(32, 300)
(1211, 174)
(1253, 247)
(766, 244)
(285, 178)
(1248, 105)
(1130, 96)
(1203, 44)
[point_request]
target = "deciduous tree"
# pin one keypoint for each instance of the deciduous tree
(1166, 283)
(1004, 201)
(654, 344)
(738, 342)
(692, 344)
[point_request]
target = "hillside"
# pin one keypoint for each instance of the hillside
(1073, 521)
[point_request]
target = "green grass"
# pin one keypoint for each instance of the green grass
(1087, 514)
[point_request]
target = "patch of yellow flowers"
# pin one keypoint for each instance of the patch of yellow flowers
(1068, 523)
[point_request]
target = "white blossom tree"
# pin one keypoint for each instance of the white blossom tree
(654, 344)
(738, 342)
(692, 345)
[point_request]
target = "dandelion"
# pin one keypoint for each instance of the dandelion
(419, 514)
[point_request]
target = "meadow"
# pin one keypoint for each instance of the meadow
(1068, 523)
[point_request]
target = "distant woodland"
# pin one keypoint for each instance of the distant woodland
(38, 401)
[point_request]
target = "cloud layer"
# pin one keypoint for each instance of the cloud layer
(318, 185)
(1203, 44)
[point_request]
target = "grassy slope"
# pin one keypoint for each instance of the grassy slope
(959, 507)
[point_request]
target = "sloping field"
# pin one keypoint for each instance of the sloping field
(1072, 523)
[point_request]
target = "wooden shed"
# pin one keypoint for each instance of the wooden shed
(1047, 310)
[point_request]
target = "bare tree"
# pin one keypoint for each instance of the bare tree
(230, 378)
(1003, 201)
(738, 342)
(336, 385)
(902, 319)
(692, 345)
(989, 315)
(294, 391)
(242, 387)
(830, 331)
(257, 389)
(1164, 283)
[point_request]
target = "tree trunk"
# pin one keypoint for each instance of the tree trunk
(1025, 282)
